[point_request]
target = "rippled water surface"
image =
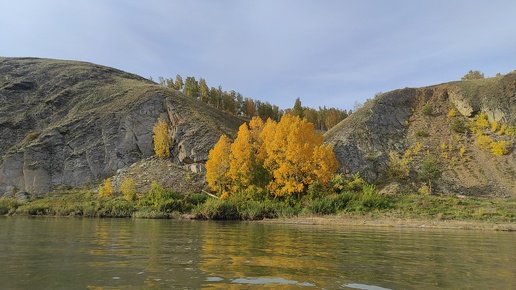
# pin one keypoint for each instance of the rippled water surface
(63, 253)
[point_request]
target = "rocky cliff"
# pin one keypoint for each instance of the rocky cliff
(401, 120)
(74, 123)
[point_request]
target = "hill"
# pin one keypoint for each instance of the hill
(438, 122)
(69, 123)
(72, 124)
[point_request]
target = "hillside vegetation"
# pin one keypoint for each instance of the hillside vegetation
(87, 140)
(466, 127)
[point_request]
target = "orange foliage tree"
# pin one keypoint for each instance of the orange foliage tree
(246, 165)
(284, 157)
(217, 166)
(295, 156)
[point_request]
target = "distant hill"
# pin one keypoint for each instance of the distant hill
(69, 123)
(401, 120)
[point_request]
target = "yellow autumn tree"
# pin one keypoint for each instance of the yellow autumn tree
(162, 139)
(325, 163)
(217, 166)
(128, 189)
(246, 167)
(241, 159)
(295, 156)
(283, 157)
(106, 188)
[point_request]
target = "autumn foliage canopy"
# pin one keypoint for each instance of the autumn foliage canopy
(283, 158)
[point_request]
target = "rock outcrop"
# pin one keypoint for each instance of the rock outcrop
(362, 141)
(74, 123)
(396, 121)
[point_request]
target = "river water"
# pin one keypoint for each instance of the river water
(71, 253)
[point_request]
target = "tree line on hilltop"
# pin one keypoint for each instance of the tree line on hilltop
(235, 103)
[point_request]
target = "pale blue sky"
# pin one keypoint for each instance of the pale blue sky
(326, 52)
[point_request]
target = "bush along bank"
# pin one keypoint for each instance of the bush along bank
(352, 196)
(251, 204)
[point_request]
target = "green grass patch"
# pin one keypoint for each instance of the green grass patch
(455, 208)
(172, 205)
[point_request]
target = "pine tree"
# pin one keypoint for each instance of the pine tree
(178, 84)
(191, 88)
(297, 111)
(204, 91)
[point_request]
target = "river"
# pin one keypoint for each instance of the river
(74, 253)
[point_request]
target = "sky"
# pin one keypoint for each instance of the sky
(333, 53)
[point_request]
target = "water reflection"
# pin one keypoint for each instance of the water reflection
(60, 253)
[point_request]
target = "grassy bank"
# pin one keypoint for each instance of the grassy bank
(199, 206)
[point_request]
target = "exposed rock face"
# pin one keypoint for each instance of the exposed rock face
(73, 123)
(363, 140)
(493, 96)
(395, 121)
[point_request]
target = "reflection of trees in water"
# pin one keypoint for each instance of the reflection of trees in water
(391, 258)
(241, 250)
(163, 254)
(154, 253)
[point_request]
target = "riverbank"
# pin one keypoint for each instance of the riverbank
(348, 209)
(390, 221)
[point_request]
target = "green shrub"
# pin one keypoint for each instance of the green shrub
(316, 191)
(33, 209)
(323, 205)
(421, 133)
(427, 110)
(341, 201)
(368, 199)
(457, 125)
(254, 192)
(355, 183)
(8, 205)
(217, 209)
(285, 210)
(196, 198)
(257, 210)
(117, 207)
(171, 205)
(149, 213)
(338, 182)
(372, 200)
